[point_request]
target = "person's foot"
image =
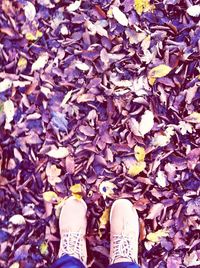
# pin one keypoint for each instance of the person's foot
(124, 232)
(73, 224)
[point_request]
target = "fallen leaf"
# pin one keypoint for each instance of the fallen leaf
(155, 211)
(191, 259)
(193, 118)
(142, 6)
(17, 219)
(103, 220)
(53, 174)
(33, 37)
(139, 153)
(22, 63)
(136, 168)
(146, 123)
(58, 153)
(120, 16)
(76, 190)
(156, 236)
(106, 188)
(44, 248)
(161, 178)
(194, 11)
(9, 111)
(82, 66)
(5, 85)
(50, 196)
(40, 62)
(74, 6)
(29, 11)
(15, 265)
(157, 72)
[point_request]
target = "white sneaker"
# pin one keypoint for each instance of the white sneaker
(73, 224)
(124, 232)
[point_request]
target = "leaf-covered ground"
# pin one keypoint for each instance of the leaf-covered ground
(103, 95)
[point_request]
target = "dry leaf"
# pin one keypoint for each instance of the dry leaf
(29, 11)
(50, 196)
(155, 211)
(17, 219)
(136, 168)
(9, 111)
(158, 71)
(156, 236)
(74, 6)
(76, 190)
(15, 265)
(120, 16)
(44, 248)
(40, 62)
(194, 11)
(142, 6)
(161, 178)
(146, 123)
(58, 153)
(103, 220)
(82, 66)
(139, 153)
(53, 174)
(193, 118)
(106, 188)
(33, 37)
(5, 85)
(22, 63)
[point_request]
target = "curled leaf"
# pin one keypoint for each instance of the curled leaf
(156, 236)
(136, 168)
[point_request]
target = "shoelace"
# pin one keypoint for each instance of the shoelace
(71, 244)
(122, 247)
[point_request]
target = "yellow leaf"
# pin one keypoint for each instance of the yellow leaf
(44, 248)
(104, 218)
(106, 188)
(157, 72)
(22, 63)
(139, 153)
(136, 168)
(143, 6)
(156, 236)
(76, 190)
(50, 196)
(33, 37)
(103, 221)
(193, 118)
